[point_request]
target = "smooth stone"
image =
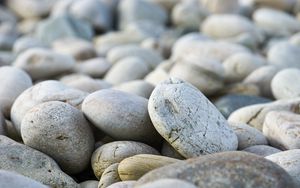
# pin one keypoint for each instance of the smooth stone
(28, 26)
(14, 180)
(109, 176)
(3, 126)
(95, 67)
(137, 87)
(284, 55)
(181, 114)
(146, 28)
(41, 63)
(276, 23)
(78, 48)
(33, 164)
(43, 92)
(240, 65)
(132, 168)
(13, 81)
(11, 132)
(63, 26)
(123, 184)
(282, 129)
(284, 84)
(254, 115)
(166, 4)
(151, 57)
(127, 69)
(107, 109)
(168, 151)
(188, 15)
(71, 145)
(285, 5)
(89, 184)
(239, 89)
(95, 12)
(115, 152)
(225, 169)
(262, 150)
(229, 103)
(136, 10)
(248, 136)
(205, 74)
(262, 78)
(156, 76)
(6, 58)
(289, 161)
(162, 183)
(26, 42)
(220, 6)
(84, 83)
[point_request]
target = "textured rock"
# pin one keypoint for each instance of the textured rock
(132, 168)
(227, 169)
(115, 152)
(121, 115)
(13, 82)
(188, 121)
(109, 176)
(33, 164)
(71, 145)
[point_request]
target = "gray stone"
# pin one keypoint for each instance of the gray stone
(162, 183)
(262, 150)
(137, 87)
(95, 67)
(123, 184)
(220, 6)
(89, 184)
(25, 43)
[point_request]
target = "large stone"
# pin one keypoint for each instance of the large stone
(162, 183)
(188, 121)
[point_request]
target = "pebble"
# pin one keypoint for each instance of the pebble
(174, 183)
(282, 128)
(123, 184)
(248, 136)
(118, 113)
(115, 152)
(227, 169)
(41, 63)
(13, 81)
(174, 104)
(168, 151)
(262, 150)
(3, 127)
(286, 5)
(33, 164)
(95, 67)
(229, 103)
(89, 184)
(138, 87)
(26, 42)
(43, 92)
(156, 76)
(284, 84)
(109, 176)
(71, 145)
(219, 6)
(289, 161)
(14, 180)
(132, 168)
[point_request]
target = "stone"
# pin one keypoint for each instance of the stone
(25, 43)
(284, 55)
(168, 151)
(289, 161)
(43, 92)
(137, 87)
(3, 126)
(89, 184)
(226, 169)
(219, 6)
(71, 145)
(78, 48)
(240, 89)
(282, 128)
(156, 76)
(121, 115)
(109, 176)
(151, 57)
(254, 115)
(63, 26)
(97, 13)
(132, 168)
(286, 5)
(94, 67)
(185, 118)
(206, 74)
(229, 103)
(14, 180)
(28, 26)
(123, 184)
(276, 23)
(41, 63)
(174, 183)
(248, 136)
(262, 78)
(13, 81)
(284, 84)
(6, 58)
(115, 152)
(127, 69)
(240, 65)
(31, 163)
(136, 10)
(262, 150)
